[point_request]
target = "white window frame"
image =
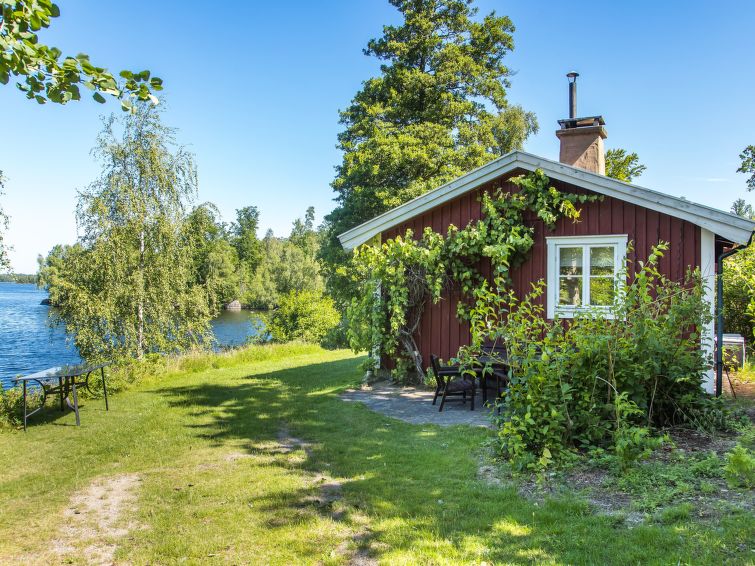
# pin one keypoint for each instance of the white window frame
(554, 244)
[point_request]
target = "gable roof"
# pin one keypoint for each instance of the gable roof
(730, 226)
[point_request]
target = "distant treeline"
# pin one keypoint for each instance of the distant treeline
(17, 278)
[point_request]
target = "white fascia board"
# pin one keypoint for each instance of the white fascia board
(459, 186)
(730, 226)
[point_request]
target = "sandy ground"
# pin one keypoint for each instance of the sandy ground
(97, 517)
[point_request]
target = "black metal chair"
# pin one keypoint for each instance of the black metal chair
(447, 384)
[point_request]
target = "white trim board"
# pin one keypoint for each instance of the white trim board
(708, 272)
(617, 241)
(725, 224)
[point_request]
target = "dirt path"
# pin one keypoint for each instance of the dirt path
(96, 518)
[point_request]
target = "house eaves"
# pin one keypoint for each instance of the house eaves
(727, 225)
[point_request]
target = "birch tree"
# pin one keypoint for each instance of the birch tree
(128, 287)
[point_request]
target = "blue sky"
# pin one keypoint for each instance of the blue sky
(255, 88)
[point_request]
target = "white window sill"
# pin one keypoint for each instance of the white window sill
(603, 312)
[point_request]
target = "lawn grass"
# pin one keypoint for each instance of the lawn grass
(232, 461)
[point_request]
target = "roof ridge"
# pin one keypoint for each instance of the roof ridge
(726, 224)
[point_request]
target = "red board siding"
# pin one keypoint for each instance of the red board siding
(441, 333)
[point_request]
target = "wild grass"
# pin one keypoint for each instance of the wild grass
(235, 453)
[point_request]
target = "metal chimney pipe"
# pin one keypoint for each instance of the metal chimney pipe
(572, 76)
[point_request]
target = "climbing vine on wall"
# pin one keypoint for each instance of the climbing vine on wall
(397, 278)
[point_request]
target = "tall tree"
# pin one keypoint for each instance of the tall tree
(215, 260)
(244, 233)
(303, 234)
(127, 287)
(748, 165)
(437, 110)
(47, 75)
(288, 265)
(622, 165)
(741, 208)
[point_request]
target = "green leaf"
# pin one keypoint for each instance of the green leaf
(98, 97)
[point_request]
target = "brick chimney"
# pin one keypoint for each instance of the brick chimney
(582, 138)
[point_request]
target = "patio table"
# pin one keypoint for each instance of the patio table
(498, 367)
(62, 380)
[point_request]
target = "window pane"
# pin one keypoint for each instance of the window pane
(601, 291)
(601, 261)
(570, 261)
(570, 291)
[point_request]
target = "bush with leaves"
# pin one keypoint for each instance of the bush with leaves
(740, 467)
(11, 406)
(596, 381)
(307, 316)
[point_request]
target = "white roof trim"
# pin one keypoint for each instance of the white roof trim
(725, 224)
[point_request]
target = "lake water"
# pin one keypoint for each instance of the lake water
(28, 344)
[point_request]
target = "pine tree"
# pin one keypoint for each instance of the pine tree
(437, 110)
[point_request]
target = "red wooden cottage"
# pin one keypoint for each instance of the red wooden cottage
(697, 234)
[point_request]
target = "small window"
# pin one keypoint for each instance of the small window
(582, 272)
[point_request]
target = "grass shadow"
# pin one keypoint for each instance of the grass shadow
(417, 483)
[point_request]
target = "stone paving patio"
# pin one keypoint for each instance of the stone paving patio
(414, 405)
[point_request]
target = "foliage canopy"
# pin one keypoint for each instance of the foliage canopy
(303, 315)
(47, 75)
(622, 165)
(127, 287)
(438, 109)
(748, 165)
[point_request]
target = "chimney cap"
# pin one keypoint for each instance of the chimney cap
(582, 122)
(572, 75)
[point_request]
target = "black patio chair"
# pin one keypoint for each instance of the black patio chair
(449, 381)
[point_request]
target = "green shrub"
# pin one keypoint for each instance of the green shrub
(740, 467)
(712, 414)
(12, 408)
(307, 316)
(336, 338)
(597, 381)
(631, 442)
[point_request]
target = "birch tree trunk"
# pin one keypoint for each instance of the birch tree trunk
(140, 306)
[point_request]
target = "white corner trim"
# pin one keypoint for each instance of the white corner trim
(708, 272)
(730, 226)
(618, 241)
